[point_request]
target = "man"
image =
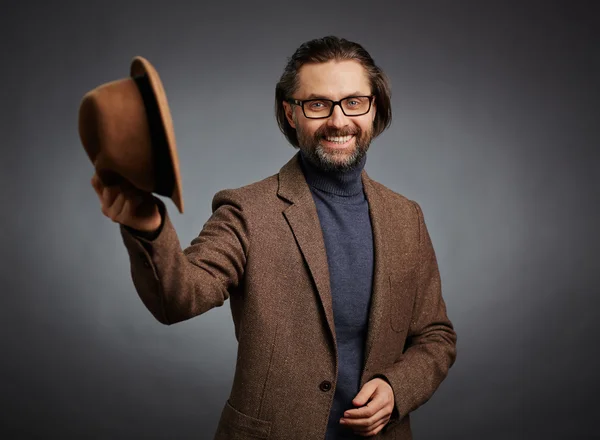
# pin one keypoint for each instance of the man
(332, 279)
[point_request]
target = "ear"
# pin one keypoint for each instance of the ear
(289, 113)
(373, 110)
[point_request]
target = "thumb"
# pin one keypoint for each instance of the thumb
(365, 393)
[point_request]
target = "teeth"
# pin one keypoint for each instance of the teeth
(338, 139)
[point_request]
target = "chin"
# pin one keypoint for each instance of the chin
(339, 157)
(339, 160)
(338, 152)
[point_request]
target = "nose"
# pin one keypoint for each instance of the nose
(337, 119)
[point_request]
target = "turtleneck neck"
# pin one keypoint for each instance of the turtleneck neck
(340, 183)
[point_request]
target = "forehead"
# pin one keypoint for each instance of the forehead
(333, 79)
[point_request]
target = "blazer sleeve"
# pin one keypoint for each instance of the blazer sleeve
(431, 340)
(175, 284)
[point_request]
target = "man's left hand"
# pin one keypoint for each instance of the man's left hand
(369, 419)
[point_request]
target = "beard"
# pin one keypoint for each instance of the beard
(328, 159)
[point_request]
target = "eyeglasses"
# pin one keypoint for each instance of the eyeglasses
(323, 108)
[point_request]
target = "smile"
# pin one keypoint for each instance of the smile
(338, 141)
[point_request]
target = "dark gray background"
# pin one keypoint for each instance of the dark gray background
(495, 134)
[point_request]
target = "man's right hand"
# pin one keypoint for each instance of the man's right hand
(125, 204)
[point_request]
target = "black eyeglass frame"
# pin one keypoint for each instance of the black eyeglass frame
(333, 104)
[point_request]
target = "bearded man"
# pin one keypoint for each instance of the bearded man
(333, 282)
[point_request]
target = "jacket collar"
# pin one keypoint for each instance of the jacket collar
(293, 186)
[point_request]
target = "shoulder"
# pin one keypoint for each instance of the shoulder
(396, 201)
(247, 196)
(402, 213)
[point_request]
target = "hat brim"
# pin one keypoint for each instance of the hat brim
(139, 67)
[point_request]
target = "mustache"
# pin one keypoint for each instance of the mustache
(336, 133)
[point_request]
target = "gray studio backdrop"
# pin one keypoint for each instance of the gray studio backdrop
(495, 134)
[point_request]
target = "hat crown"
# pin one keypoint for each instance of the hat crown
(115, 134)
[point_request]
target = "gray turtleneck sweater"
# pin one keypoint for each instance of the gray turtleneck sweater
(344, 216)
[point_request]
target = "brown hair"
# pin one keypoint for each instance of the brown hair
(326, 49)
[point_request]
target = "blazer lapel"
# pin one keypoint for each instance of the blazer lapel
(380, 299)
(303, 219)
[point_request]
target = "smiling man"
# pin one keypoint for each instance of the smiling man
(334, 124)
(333, 282)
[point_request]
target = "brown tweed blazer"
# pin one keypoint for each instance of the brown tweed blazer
(263, 249)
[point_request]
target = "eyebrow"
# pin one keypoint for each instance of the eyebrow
(315, 96)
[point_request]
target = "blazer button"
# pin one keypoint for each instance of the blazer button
(325, 385)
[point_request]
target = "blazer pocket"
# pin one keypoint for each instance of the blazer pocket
(235, 425)
(403, 289)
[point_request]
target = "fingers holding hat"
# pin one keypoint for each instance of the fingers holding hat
(97, 184)
(124, 203)
(114, 197)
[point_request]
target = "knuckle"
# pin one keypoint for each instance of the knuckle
(118, 218)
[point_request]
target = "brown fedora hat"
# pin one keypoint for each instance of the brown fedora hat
(127, 131)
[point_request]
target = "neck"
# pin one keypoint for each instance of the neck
(342, 183)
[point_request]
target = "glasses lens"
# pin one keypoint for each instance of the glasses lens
(318, 108)
(357, 105)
